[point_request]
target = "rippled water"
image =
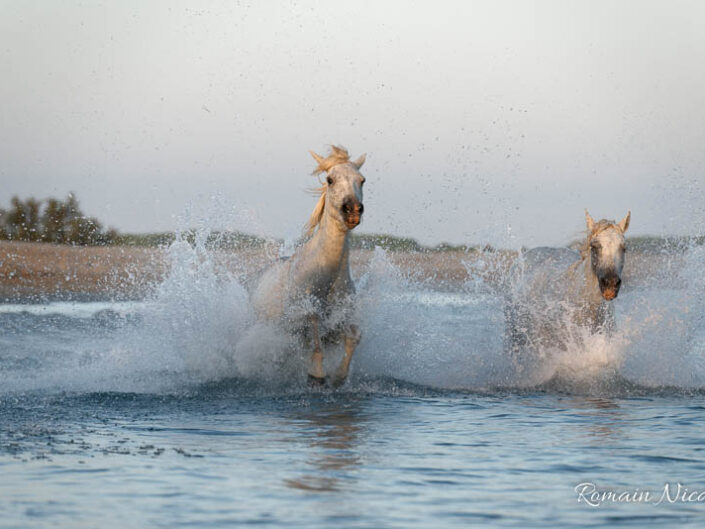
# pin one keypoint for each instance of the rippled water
(183, 411)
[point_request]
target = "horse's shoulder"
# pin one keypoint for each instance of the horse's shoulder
(268, 276)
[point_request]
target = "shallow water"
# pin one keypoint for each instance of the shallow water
(395, 457)
(183, 411)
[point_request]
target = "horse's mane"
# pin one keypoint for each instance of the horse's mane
(315, 218)
(338, 154)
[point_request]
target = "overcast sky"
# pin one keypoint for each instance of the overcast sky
(483, 121)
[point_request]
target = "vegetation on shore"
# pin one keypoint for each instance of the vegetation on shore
(62, 222)
(53, 221)
(232, 240)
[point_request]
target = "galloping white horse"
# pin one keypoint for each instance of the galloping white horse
(557, 287)
(301, 291)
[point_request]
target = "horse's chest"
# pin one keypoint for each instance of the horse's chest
(322, 282)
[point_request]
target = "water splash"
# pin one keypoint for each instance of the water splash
(198, 328)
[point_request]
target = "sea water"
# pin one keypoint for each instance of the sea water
(182, 410)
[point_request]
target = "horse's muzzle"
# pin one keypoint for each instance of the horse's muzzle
(352, 213)
(609, 287)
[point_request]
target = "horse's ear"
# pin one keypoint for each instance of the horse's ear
(319, 159)
(358, 163)
(624, 223)
(590, 222)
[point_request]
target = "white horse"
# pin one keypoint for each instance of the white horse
(557, 290)
(301, 292)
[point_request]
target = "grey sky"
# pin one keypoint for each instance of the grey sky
(483, 121)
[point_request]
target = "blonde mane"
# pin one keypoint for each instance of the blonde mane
(315, 218)
(338, 154)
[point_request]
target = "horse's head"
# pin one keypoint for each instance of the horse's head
(605, 244)
(341, 194)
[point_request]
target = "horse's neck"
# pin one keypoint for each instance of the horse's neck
(329, 243)
(325, 255)
(594, 311)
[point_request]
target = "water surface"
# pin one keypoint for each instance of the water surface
(182, 410)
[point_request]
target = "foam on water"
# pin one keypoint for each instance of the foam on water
(72, 309)
(199, 327)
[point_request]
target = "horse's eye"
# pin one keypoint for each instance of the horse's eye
(329, 180)
(362, 181)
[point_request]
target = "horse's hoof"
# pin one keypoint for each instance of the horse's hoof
(338, 381)
(316, 381)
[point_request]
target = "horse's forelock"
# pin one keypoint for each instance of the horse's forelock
(599, 227)
(338, 154)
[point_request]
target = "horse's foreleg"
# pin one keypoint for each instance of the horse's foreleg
(610, 321)
(352, 338)
(315, 370)
(603, 319)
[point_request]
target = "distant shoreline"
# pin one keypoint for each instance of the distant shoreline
(32, 272)
(41, 272)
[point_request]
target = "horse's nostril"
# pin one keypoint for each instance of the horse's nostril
(362, 208)
(350, 206)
